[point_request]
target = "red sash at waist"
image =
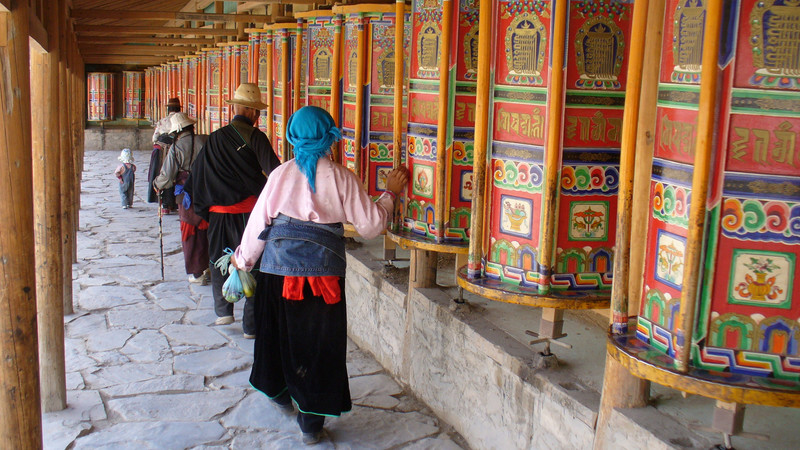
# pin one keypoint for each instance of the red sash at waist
(244, 206)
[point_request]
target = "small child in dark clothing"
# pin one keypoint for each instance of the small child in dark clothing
(126, 173)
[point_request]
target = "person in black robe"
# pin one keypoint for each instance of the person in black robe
(226, 179)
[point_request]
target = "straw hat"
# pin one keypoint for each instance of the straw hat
(125, 156)
(249, 95)
(174, 101)
(179, 121)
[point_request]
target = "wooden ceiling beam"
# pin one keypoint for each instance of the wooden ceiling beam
(117, 30)
(129, 60)
(83, 39)
(117, 14)
(143, 50)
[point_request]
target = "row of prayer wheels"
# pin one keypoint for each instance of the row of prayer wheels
(101, 95)
(540, 134)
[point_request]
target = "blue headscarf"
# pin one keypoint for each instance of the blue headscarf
(311, 131)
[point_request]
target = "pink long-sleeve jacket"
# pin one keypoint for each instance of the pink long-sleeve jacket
(340, 197)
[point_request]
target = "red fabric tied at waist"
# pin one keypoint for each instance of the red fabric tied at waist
(188, 231)
(244, 206)
(325, 286)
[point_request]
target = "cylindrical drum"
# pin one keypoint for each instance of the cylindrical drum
(101, 96)
(134, 94)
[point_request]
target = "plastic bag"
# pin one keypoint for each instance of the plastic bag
(240, 283)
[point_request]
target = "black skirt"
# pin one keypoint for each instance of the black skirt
(301, 346)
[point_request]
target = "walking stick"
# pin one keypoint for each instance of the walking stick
(161, 234)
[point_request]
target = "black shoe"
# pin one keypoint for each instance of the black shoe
(312, 438)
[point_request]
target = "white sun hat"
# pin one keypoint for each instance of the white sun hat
(249, 95)
(179, 121)
(125, 156)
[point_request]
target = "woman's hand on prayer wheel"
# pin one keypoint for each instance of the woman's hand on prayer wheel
(397, 179)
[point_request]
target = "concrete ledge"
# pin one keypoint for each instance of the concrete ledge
(478, 378)
(117, 138)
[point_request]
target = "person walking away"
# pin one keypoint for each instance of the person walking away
(126, 174)
(227, 176)
(174, 173)
(296, 228)
(162, 139)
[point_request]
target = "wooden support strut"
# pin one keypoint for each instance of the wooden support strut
(298, 66)
(442, 159)
(336, 79)
(620, 388)
(270, 43)
(552, 181)
(45, 103)
(709, 79)
(361, 63)
(285, 93)
(482, 106)
(20, 411)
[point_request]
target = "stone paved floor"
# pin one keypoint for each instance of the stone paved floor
(145, 368)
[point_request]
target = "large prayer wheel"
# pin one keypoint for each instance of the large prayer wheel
(441, 105)
(282, 63)
(260, 72)
(191, 85)
(234, 71)
(368, 93)
(133, 85)
(729, 205)
(100, 96)
(552, 171)
(214, 71)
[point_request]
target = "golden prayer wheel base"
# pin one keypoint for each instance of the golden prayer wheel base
(646, 362)
(410, 241)
(557, 299)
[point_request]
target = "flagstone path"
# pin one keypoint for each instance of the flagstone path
(146, 369)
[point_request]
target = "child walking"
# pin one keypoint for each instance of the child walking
(126, 173)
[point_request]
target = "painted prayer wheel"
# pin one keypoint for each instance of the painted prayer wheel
(214, 70)
(368, 92)
(322, 67)
(260, 72)
(282, 63)
(202, 92)
(148, 94)
(101, 96)
(299, 65)
(191, 86)
(441, 105)
(553, 157)
(133, 85)
(234, 72)
(721, 280)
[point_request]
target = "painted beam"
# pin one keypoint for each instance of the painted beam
(143, 40)
(117, 14)
(105, 29)
(144, 50)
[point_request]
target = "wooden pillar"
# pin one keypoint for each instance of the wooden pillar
(67, 165)
(45, 141)
(552, 181)
(285, 156)
(361, 63)
(399, 85)
(482, 106)
(442, 157)
(620, 388)
(269, 40)
(336, 80)
(298, 66)
(422, 273)
(20, 411)
(219, 8)
(695, 243)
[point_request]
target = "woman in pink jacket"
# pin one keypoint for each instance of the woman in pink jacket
(296, 231)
